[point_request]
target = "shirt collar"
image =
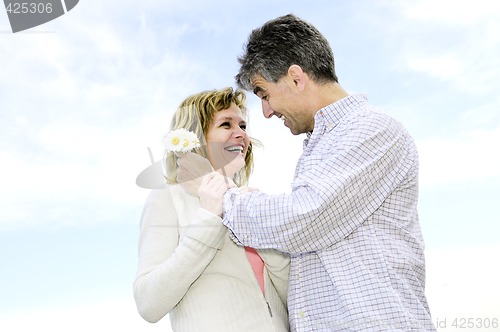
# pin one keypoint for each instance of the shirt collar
(333, 113)
(330, 116)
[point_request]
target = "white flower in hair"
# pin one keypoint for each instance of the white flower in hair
(181, 140)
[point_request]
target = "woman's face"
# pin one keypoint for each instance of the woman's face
(228, 141)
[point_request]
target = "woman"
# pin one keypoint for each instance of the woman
(188, 265)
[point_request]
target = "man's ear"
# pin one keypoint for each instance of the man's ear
(298, 76)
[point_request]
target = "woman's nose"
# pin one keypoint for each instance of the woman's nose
(239, 132)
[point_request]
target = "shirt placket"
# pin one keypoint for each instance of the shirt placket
(299, 311)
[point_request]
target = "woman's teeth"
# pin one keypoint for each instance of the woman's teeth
(234, 149)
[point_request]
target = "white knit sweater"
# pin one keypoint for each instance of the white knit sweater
(190, 268)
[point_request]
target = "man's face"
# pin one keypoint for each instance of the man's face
(283, 100)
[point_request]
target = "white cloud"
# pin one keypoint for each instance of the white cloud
(462, 283)
(467, 157)
(455, 42)
(442, 66)
(453, 12)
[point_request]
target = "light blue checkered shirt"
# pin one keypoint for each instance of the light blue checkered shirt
(350, 225)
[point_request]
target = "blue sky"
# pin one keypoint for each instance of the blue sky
(83, 97)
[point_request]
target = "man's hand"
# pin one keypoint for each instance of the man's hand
(190, 171)
(245, 189)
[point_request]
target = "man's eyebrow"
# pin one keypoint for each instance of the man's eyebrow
(257, 90)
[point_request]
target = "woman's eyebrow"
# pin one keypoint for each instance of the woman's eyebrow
(228, 118)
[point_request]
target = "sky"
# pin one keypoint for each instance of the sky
(84, 96)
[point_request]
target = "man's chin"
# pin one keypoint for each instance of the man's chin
(296, 131)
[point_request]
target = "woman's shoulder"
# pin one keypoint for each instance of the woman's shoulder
(167, 191)
(162, 195)
(171, 195)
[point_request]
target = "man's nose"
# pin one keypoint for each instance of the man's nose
(267, 110)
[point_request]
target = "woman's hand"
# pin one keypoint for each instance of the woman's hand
(212, 188)
(190, 171)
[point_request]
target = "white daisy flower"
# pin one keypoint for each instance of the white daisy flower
(181, 140)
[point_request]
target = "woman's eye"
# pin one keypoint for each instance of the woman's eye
(225, 124)
(244, 127)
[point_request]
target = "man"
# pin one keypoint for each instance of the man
(350, 223)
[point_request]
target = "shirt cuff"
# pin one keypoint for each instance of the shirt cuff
(227, 206)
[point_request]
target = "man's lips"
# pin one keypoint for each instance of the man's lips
(282, 118)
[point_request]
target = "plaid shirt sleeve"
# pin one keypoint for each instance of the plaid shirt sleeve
(342, 180)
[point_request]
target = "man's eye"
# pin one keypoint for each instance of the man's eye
(225, 124)
(244, 127)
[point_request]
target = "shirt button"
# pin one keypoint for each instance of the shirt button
(301, 314)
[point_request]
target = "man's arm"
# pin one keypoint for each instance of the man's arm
(328, 202)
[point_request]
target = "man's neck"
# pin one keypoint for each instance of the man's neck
(328, 94)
